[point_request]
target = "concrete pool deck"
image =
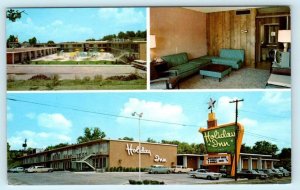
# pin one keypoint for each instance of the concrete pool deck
(24, 72)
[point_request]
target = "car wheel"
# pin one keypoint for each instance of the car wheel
(168, 172)
(217, 178)
(155, 172)
(179, 172)
(208, 177)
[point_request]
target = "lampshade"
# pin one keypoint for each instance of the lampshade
(284, 35)
(152, 41)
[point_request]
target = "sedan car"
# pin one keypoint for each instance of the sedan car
(203, 173)
(270, 172)
(159, 169)
(251, 174)
(285, 172)
(16, 170)
(278, 172)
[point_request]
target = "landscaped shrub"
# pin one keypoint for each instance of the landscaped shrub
(124, 78)
(146, 182)
(39, 77)
(86, 79)
(10, 78)
(132, 182)
(98, 78)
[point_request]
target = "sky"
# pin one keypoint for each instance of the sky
(266, 115)
(75, 24)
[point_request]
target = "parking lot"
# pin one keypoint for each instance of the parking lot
(107, 178)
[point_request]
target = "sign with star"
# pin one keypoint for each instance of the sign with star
(221, 139)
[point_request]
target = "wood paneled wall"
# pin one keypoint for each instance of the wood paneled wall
(225, 30)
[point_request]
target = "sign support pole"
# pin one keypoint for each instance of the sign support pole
(236, 135)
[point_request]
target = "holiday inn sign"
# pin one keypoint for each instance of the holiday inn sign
(222, 139)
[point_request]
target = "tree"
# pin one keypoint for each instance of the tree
(108, 37)
(13, 15)
(91, 134)
(60, 145)
(50, 42)
(285, 158)
(130, 34)
(126, 138)
(150, 140)
(90, 39)
(12, 39)
(246, 149)
(32, 41)
(122, 35)
(264, 147)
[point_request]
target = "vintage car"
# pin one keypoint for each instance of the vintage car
(16, 170)
(203, 173)
(277, 172)
(181, 169)
(284, 171)
(159, 169)
(251, 174)
(38, 169)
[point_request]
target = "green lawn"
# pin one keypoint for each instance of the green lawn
(76, 85)
(55, 62)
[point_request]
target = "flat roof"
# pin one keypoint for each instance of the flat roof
(91, 142)
(21, 50)
(261, 155)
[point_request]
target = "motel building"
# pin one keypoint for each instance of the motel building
(102, 154)
(118, 47)
(21, 55)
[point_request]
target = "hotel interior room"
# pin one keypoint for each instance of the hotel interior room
(220, 47)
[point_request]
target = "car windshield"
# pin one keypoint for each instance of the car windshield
(254, 172)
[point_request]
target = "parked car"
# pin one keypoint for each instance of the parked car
(203, 173)
(38, 169)
(251, 174)
(270, 172)
(284, 171)
(16, 170)
(159, 169)
(181, 169)
(278, 172)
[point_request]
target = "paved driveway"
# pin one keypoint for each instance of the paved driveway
(24, 72)
(107, 178)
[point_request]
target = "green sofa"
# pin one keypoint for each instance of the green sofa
(232, 57)
(179, 64)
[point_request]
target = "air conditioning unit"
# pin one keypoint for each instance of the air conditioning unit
(282, 59)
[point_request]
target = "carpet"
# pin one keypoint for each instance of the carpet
(245, 78)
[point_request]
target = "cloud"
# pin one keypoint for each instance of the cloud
(57, 23)
(278, 103)
(36, 139)
(275, 98)
(247, 122)
(153, 111)
(54, 121)
(225, 110)
(122, 15)
(9, 115)
(31, 115)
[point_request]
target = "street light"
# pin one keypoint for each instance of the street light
(140, 115)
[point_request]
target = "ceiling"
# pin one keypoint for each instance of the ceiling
(216, 9)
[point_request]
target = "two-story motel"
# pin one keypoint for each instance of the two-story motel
(117, 47)
(104, 153)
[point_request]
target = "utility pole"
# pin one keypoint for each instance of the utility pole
(236, 134)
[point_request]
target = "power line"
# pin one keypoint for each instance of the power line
(127, 117)
(262, 114)
(98, 113)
